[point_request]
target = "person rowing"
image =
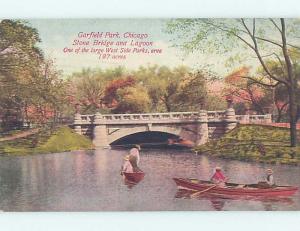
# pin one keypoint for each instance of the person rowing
(218, 177)
(268, 181)
(269, 177)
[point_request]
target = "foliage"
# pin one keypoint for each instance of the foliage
(48, 97)
(178, 89)
(254, 143)
(162, 84)
(215, 102)
(30, 86)
(86, 89)
(152, 88)
(47, 141)
(270, 40)
(192, 93)
(132, 100)
(18, 48)
(111, 96)
(247, 94)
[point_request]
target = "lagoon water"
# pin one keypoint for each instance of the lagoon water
(90, 181)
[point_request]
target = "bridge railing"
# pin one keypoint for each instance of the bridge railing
(254, 119)
(88, 119)
(216, 115)
(152, 116)
(173, 116)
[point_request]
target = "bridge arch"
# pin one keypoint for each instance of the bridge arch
(147, 138)
(116, 134)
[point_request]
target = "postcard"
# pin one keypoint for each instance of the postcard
(178, 114)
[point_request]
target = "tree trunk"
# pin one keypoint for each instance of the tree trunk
(280, 111)
(168, 107)
(291, 87)
(167, 103)
(293, 116)
(278, 119)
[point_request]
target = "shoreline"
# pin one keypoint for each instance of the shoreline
(254, 143)
(248, 143)
(46, 141)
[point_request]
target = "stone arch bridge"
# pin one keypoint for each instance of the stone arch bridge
(197, 127)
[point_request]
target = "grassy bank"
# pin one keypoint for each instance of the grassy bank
(46, 141)
(254, 143)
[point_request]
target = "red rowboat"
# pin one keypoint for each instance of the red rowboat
(232, 189)
(134, 176)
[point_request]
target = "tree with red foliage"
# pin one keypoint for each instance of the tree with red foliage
(86, 89)
(246, 92)
(110, 93)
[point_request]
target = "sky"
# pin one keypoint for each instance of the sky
(56, 34)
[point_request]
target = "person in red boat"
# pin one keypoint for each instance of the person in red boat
(218, 177)
(126, 167)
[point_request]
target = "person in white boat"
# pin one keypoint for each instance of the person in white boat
(134, 157)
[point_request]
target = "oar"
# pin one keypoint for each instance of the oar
(203, 191)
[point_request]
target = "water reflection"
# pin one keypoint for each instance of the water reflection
(130, 184)
(218, 201)
(91, 181)
(132, 179)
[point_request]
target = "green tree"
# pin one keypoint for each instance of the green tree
(29, 84)
(161, 84)
(132, 100)
(191, 93)
(48, 100)
(267, 39)
(177, 89)
(18, 48)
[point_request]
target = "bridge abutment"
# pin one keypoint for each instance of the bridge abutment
(202, 128)
(77, 123)
(100, 132)
(230, 119)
